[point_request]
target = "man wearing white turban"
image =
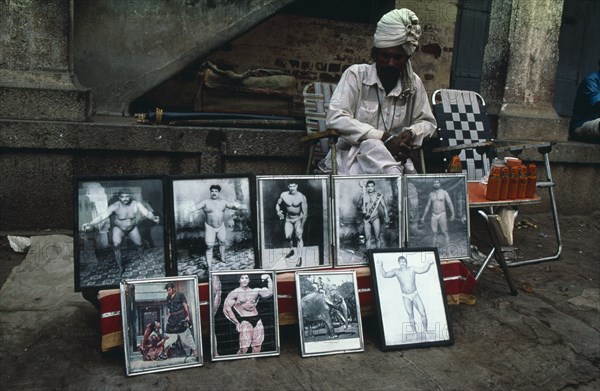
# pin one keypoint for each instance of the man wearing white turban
(381, 110)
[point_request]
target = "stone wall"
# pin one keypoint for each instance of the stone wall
(44, 143)
(316, 49)
(38, 160)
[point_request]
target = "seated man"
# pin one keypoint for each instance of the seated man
(585, 122)
(153, 342)
(381, 110)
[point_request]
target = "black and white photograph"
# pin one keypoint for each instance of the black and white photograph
(120, 230)
(329, 313)
(293, 224)
(367, 215)
(409, 293)
(213, 224)
(244, 319)
(161, 324)
(438, 214)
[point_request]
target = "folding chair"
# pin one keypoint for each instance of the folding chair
(463, 129)
(316, 103)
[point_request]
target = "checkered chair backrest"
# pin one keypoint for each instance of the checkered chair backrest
(317, 96)
(462, 119)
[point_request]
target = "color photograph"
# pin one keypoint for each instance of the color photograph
(244, 319)
(161, 324)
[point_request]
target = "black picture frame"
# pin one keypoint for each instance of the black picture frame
(143, 248)
(416, 286)
(274, 226)
(242, 304)
(420, 228)
(329, 316)
(368, 213)
(155, 337)
(199, 222)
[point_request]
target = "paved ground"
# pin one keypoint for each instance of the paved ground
(545, 338)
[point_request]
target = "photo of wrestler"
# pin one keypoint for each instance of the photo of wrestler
(244, 317)
(294, 221)
(213, 227)
(410, 297)
(438, 214)
(329, 312)
(120, 230)
(161, 324)
(367, 212)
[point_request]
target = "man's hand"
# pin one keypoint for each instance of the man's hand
(265, 277)
(399, 146)
(86, 227)
(156, 219)
(280, 214)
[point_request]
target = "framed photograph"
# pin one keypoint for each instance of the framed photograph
(409, 293)
(244, 320)
(213, 224)
(367, 215)
(293, 223)
(120, 230)
(438, 214)
(329, 312)
(161, 324)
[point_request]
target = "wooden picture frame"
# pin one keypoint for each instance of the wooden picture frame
(120, 230)
(439, 217)
(410, 297)
(329, 312)
(367, 212)
(244, 317)
(291, 238)
(213, 220)
(161, 324)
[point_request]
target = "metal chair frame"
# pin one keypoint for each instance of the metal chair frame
(317, 96)
(463, 113)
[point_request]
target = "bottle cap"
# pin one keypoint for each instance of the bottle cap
(512, 161)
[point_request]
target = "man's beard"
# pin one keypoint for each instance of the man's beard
(389, 73)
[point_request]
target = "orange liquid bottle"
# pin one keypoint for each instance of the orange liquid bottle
(513, 183)
(455, 165)
(504, 176)
(522, 182)
(531, 180)
(493, 186)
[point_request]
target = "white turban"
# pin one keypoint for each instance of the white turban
(398, 27)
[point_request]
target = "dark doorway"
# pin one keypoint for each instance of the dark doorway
(579, 50)
(472, 24)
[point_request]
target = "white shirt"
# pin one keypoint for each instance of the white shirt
(354, 108)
